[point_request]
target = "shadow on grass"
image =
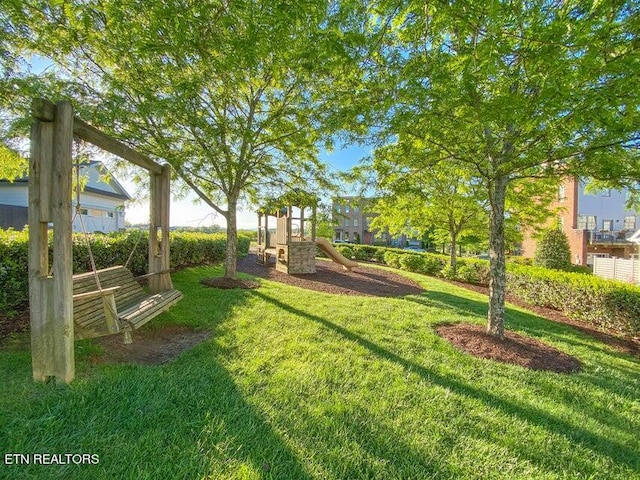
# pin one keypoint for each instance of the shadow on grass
(616, 451)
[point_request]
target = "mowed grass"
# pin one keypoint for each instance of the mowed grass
(296, 384)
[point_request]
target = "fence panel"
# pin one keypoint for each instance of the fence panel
(626, 270)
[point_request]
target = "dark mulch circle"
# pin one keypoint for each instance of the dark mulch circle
(150, 346)
(514, 349)
(229, 283)
(332, 278)
(626, 345)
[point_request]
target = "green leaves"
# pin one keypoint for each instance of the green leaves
(12, 165)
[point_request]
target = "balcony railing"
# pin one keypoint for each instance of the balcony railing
(605, 236)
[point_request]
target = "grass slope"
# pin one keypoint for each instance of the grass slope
(297, 384)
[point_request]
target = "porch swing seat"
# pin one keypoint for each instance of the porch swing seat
(130, 305)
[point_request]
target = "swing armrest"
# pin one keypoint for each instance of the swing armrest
(96, 293)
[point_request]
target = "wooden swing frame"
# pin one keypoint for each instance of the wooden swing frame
(50, 205)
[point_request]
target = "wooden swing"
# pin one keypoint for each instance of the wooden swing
(103, 301)
(110, 300)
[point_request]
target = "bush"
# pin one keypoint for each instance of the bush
(392, 259)
(187, 248)
(448, 272)
(412, 263)
(553, 250)
(432, 264)
(346, 251)
(605, 303)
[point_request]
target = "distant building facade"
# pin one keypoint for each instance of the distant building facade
(352, 217)
(101, 201)
(596, 224)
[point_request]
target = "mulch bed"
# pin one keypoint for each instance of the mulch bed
(332, 278)
(515, 349)
(626, 345)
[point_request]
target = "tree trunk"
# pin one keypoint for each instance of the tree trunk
(452, 255)
(497, 275)
(231, 254)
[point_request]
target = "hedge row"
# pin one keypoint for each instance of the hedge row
(187, 248)
(609, 304)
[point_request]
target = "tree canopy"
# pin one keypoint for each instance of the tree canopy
(223, 91)
(509, 90)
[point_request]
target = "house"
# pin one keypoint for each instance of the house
(597, 224)
(101, 201)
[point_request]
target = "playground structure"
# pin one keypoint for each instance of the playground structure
(65, 307)
(294, 242)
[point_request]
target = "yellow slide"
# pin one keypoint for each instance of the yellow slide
(324, 245)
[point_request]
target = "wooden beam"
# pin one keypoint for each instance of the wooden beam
(92, 135)
(64, 362)
(40, 287)
(42, 109)
(159, 247)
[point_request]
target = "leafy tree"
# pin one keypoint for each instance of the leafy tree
(414, 198)
(508, 90)
(223, 91)
(12, 165)
(553, 250)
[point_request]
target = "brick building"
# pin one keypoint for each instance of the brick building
(596, 224)
(352, 218)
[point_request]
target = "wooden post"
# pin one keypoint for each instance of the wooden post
(61, 193)
(313, 223)
(159, 247)
(289, 215)
(40, 287)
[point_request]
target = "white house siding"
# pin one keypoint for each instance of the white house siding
(96, 218)
(105, 212)
(16, 194)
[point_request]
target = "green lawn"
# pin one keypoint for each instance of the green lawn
(297, 384)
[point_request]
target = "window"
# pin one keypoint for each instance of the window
(561, 195)
(587, 222)
(84, 211)
(337, 208)
(355, 209)
(346, 222)
(346, 209)
(629, 222)
(109, 214)
(607, 225)
(355, 222)
(345, 237)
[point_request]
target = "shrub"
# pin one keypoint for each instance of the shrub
(392, 259)
(606, 303)
(448, 272)
(346, 251)
(187, 248)
(553, 250)
(432, 264)
(412, 263)
(364, 253)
